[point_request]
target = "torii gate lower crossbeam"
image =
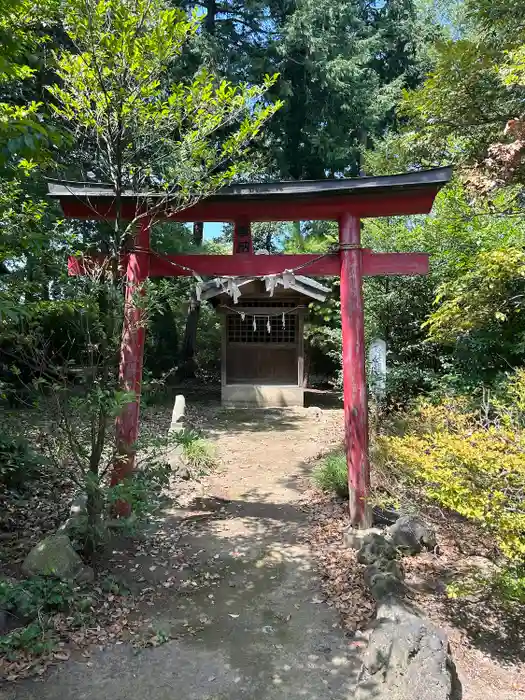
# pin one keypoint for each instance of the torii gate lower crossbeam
(401, 194)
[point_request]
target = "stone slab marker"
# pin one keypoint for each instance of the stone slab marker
(377, 360)
(175, 451)
(177, 416)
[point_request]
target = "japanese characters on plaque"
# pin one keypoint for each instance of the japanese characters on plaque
(243, 238)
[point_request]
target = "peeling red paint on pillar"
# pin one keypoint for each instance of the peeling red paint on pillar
(354, 374)
(131, 358)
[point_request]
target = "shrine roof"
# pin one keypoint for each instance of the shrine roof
(305, 286)
(386, 195)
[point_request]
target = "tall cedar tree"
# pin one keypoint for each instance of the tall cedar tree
(342, 67)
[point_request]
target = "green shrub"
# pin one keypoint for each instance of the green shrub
(510, 584)
(31, 604)
(332, 474)
(32, 638)
(37, 595)
(143, 491)
(18, 462)
(506, 584)
(471, 464)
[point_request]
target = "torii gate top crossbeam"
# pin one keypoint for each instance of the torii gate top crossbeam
(409, 193)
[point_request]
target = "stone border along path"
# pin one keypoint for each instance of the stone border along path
(262, 631)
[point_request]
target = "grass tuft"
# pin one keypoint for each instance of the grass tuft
(332, 474)
(198, 453)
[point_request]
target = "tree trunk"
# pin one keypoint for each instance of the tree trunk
(198, 233)
(209, 22)
(98, 418)
(188, 366)
(268, 241)
(94, 510)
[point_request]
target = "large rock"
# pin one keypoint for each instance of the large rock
(375, 546)
(384, 573)
(55, 556)
(384, 516)
(355, 538)
(77, 525)
(384, 577)
(410, 534)
(407, 658)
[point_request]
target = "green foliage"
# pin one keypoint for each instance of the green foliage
(324, 345)
(18, 462)
(32, 603)
(461, 233)
(473, 466)
(343, 67)
(474, 88)
(183, 139)
(509, 584)
(332, 474)
(27, 254)
(25, 138)
(164, 329)
(48, 345)
(144, 491)
(463, 104)
(31, 638)
(28, 598)
(471, 244)
(208, 354)
(198, 453)
(486, 294)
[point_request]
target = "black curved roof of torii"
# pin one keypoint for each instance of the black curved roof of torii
(406, 193)
(260, 190)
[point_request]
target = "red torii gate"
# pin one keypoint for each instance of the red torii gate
(344, 200)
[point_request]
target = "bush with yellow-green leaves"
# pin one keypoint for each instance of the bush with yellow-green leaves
(470, 461)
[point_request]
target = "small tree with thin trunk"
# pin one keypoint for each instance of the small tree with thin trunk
(135, 129)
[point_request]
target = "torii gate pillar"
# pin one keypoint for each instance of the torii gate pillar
(131, 358)
(354, 374)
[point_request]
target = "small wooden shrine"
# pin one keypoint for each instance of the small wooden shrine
(262, 358)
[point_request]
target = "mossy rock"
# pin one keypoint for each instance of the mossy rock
(55, 556)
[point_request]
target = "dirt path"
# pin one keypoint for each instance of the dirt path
(234, 608)
(256, 628)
